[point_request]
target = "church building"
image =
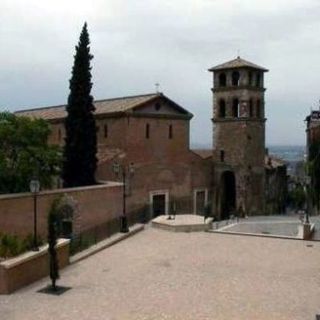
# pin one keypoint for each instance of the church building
(148, 136)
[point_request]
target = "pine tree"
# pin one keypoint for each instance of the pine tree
(80, 149)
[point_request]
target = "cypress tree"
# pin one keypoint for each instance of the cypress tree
(80, 149)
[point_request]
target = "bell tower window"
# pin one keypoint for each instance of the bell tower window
(235, 78)
(258, 111)
(222, 108)
(258, 78)
(250, 108)
(250, 78)
(235, 108)
(222, 80)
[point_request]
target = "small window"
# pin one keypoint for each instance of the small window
(106, 131)
(235, 108)
(235, 78)
(222, 155)
(222, 108)
(157, 106)
(222, 80)
(170, 131)
(147, 131)
(59, 135)
(251, 108)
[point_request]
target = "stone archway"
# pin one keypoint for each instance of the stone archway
(227, 194)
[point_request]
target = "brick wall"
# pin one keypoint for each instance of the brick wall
(95, 204)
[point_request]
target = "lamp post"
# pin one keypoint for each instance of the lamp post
(34, 189)
(126, 172)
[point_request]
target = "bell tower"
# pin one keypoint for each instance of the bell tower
(238, 138)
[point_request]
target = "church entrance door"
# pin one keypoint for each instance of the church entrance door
(158, 205)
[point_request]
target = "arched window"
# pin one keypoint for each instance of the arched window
(235, 107)
(258, 109)
(250, 108)
(222, 80)
(170, 132)
(235, 78)
(222, 108)
(258, 80)
(147, 131)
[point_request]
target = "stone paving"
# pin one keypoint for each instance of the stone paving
(282, 225)
(163, 275)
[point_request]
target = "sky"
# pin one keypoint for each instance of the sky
(171, 42)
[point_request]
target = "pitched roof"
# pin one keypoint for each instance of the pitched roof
(237, 63)
(115, 105)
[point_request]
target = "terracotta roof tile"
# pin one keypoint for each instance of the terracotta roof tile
(102, 107)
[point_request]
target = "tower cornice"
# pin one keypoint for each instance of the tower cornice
(238, 120)
(237, 88)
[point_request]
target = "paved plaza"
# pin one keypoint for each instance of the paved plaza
(158, 274)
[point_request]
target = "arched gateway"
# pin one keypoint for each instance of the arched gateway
(227, 194)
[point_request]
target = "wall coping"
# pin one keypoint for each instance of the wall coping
(106, 184)
(27, 256)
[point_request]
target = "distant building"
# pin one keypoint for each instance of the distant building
(313, 128)
(276, 185)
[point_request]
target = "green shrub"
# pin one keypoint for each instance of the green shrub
(12, 245)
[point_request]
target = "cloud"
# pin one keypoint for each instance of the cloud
(139, 43)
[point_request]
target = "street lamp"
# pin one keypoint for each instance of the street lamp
(34, 189)
(126, 172)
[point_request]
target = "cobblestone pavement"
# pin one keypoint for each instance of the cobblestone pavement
(164, 275)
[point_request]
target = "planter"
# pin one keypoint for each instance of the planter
(30, 266)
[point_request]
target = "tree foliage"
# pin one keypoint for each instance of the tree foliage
(24, 152)
(80, 150)
(297, 196)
